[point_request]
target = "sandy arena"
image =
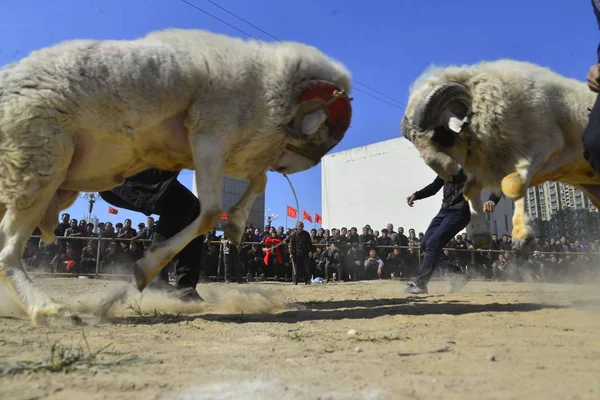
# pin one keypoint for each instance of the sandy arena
(278, 341)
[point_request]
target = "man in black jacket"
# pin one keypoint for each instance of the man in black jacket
(159, 192)
(454, 215)
(301, 247)
(591, 135)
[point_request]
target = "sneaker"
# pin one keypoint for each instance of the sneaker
(414, 288)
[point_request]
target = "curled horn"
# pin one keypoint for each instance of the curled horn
(404, 128)
(429, 109)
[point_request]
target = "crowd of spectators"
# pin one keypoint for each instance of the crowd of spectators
(337, 255)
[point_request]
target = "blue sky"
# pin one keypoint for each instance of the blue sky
(385, 44)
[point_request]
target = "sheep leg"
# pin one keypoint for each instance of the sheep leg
(481, 235)
(15, 229)
(238, 214)
(61, 200)
(209, 159)
(515, 186)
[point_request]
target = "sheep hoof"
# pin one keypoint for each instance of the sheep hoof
(520, 244)
(522, 237)
(42, 316)
(141, 277)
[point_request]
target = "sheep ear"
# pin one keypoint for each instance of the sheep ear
(313, 121)
(455, 124)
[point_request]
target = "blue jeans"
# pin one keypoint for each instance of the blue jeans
(445, 225)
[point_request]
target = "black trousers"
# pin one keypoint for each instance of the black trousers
(301, 266)
(177, 208)
(232, 264)
(442, 228)
(591, 137)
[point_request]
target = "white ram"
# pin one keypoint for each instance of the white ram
(510, 125)
(84, 115)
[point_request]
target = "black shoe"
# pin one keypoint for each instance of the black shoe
(161, 286)
(188, 295)
(415, 288)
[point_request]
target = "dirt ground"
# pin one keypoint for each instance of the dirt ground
(277, 341)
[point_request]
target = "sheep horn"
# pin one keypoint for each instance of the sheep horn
(404, 128)
(430, 108)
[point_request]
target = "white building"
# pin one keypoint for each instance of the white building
(232, 190)
(369, 185)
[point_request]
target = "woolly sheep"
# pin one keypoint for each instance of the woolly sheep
(83, 115)
(510, 125)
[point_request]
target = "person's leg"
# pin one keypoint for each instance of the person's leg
(591, 137)
(452, 222)
(177, 208)
(227, 266)
(237, 263)
(426, 267)
(295, 270)
(306, 269)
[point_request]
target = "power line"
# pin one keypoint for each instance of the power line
(242, 19)
(377, 98)
(377, 91)
(218, 19)
(402, 105)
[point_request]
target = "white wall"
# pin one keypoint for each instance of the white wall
(369, 185)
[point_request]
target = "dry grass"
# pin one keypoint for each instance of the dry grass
(69, 358)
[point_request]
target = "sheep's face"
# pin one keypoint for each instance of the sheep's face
(321, 117)
(436, 122)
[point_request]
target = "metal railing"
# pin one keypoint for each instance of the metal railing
(284, 245)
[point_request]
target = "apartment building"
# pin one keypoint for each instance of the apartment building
(558, 209)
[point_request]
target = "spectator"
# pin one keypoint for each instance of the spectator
(374, 264)
(301, 247)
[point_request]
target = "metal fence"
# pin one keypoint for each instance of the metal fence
(100, 240)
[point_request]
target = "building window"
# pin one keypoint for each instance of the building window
(506, 223)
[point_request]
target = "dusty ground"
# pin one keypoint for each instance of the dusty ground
(492, 341)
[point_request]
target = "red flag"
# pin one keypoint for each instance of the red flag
(318, 219)
(292, 212)
(306, 216)
(224, 215)
(112, 210)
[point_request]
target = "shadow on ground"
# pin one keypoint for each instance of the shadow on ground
(351, 309)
